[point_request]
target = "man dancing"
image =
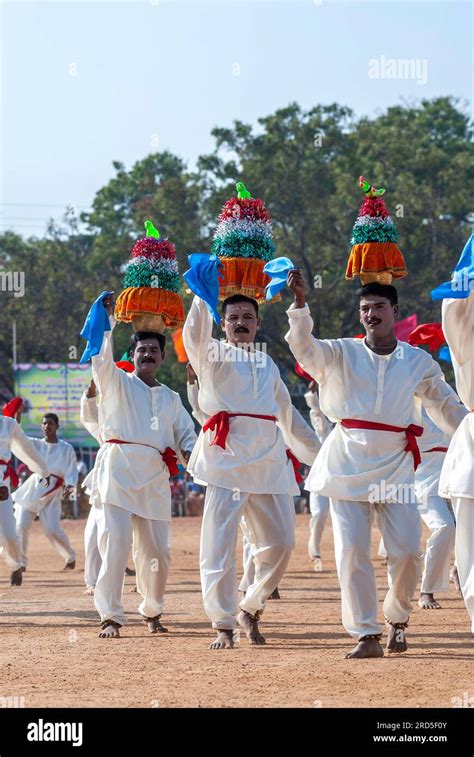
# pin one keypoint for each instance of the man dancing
(13, 440)
(144, 427)
(31, 500)
(241, 454)
(368, 387)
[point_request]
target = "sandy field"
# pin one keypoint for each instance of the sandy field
(51, 656)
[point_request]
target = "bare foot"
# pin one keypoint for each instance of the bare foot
(16, 577)
(275, 594)
(134, 590)
(317, 564)
(70, 565)
(454, 578)
(110, 630)
(89, 591)
(396, 641)
(130, 572)
(384, 561)
(224, 640)
(428, 602)
(250, 625)
(154, 625)
(366, 648)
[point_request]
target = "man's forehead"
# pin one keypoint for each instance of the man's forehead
(374, 301)
(240, 307)
(148, 343)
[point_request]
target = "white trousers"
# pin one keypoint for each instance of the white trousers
(439, 546)
(92, 559)
(464, 550)
(151, 554)
(248, 576)
(10, 544)
(319, 507)
(400, 527)
(50, 519)
(269, 525)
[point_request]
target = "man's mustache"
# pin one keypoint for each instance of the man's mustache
(241, 330)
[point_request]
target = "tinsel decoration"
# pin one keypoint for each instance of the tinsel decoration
(374, 256)
(151, 284)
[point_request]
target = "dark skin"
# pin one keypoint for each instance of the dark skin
(50, 434)
(240, 324)
(378, 316)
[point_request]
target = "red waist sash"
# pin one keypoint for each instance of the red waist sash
(411, 431)
(220, 422)
(169, 455)
(59, 482)
(10, 472)
(436, 449)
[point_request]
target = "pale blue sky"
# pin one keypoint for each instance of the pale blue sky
(167, 69)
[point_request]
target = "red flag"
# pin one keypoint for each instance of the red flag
(430, 334)
(404, 328)
(125, 365)
(12, 407)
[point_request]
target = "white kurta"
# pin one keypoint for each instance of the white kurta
(193, 399)
(355, 383)
(428, 472)
(134, 476)
(13, 440)
(60, 460)
(244, 381)
(457, 477)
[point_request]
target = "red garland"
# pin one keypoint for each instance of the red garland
(149, 247)
(249, 209)
(373, 206)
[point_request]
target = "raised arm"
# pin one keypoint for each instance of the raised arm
(458, 328)
(299, 437)
(316, 356)
(104, 371)
(25, 449)
(197, 334)
(89, 413)
(440, 401)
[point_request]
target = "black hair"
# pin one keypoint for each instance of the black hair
(139, 336)
(53, 417)
(238, 298)
(382, 290)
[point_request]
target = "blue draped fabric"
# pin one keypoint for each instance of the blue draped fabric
(96, 324)
(203, 280)
(278, 269)
(462, 282)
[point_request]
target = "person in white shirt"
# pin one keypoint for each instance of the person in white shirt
(241, 455)
(434, 512)
(368, 461)
(31, 500)
(457, 476)
(14, 441)
(318, 503)
(145, 428)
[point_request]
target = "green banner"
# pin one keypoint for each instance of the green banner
(54, 388)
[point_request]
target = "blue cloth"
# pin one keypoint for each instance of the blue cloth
(278, 269)
(203, 279)
(462, 282)
(444, 354)
(96, 324)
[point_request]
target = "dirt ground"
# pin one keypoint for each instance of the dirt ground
(51, 656)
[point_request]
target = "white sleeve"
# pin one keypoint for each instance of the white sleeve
(440, 401)
(25, 449)
(193, 399)
(105, 373)
(299, 437)
(89, 416)
(183, 430)
(319, 422)
(318, 357)
(197, 334)
(458, 327)
(71, 473)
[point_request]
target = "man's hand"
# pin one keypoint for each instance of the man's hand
(68, 491)
(191, 374)
(4, 493)
(91, 390)
(296, 282)
(109, 303)
(312, 386)
(186, 455)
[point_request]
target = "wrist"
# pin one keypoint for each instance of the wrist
(300, 301)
